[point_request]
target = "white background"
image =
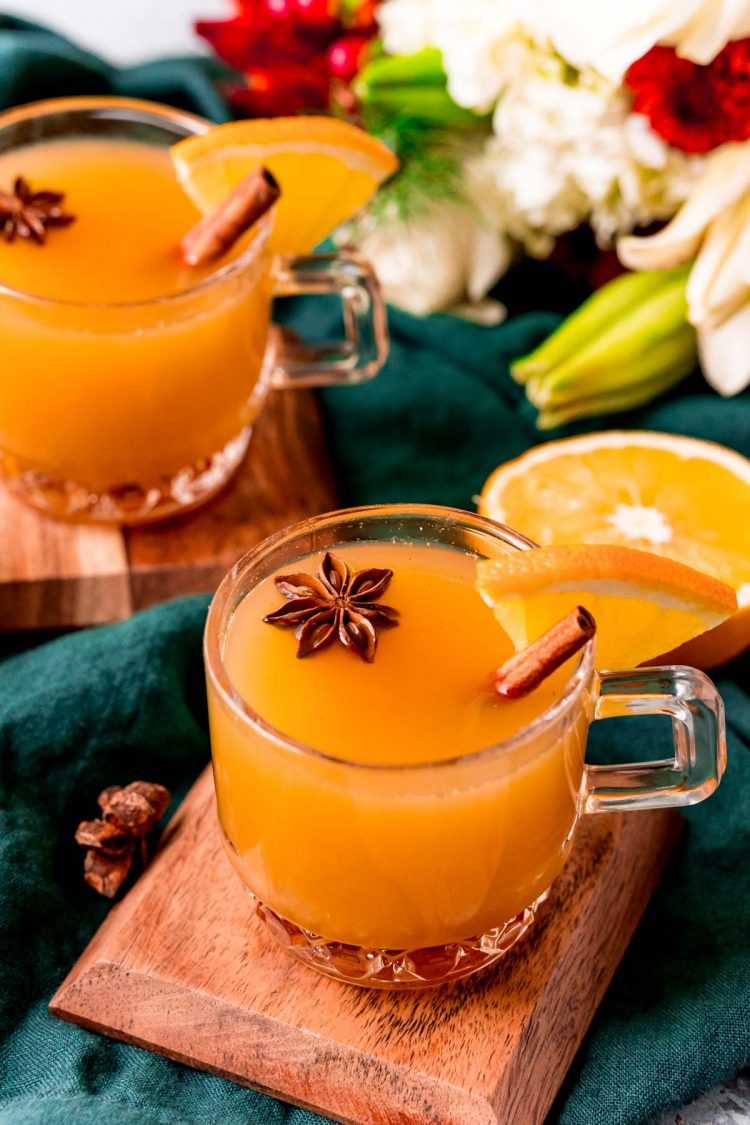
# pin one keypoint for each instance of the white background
(124, 31)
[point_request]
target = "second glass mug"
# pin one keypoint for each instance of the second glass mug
(133, 412)
(411, 876)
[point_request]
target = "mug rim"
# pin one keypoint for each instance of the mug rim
(132, 110)
(242, 711)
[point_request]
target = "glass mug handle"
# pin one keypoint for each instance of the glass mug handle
(697, 712)
(364, 349)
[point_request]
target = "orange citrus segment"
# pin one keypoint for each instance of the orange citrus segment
(643, 604)
(673, 496)
(327, 170)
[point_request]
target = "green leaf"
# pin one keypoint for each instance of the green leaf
(413, 87)
(432, 105)
(637, 344)
(433, 175)
(423, 68)
(615, 402)
(596, 316)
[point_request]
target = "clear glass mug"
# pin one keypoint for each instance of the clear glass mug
(133, 412)
(341, 857)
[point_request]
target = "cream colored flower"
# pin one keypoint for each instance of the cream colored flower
(443, 258)
(406, 26)
(484, 47)
(713, 228)
(483, 42)
(725, 353)
(567, 150)
(610, 35)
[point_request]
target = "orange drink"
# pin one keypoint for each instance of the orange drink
(122, 195)
(423, 699)
(130, 380)
(397, 821)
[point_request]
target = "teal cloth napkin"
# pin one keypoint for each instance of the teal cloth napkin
(125, 701)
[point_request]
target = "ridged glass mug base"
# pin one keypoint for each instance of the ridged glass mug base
(393, 968)
(128, 503)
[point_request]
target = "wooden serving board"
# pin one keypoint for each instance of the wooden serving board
(182, 967)
(57, 575)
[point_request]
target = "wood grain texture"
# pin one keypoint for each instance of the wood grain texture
(183, 968)
(54, 574)
(62, 575)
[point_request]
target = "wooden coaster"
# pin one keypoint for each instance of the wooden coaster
(182, 967)
(57, 575)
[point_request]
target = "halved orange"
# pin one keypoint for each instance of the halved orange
(677, 497)
(642, 604)
(327, 169)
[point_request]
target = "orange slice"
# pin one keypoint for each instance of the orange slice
(673, 496)
(327, 170)
(643, 604)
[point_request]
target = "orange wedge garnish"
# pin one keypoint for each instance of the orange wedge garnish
(673, 496)
(327, 170)
(642, 604)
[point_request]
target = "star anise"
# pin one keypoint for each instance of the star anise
(28, 213)
(335, 605)
(129, 813)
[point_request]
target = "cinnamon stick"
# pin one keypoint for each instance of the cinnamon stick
(216, 233)
(527, 669)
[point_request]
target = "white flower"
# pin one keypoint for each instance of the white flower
(611, 34)
(567, 150)
(725, 353)
(406, 26)
(442, 258)
(484, 48)
(713, 227)
(483, 42)
(566, 147)
(711, 26)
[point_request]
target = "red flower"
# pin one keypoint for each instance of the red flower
(347, 56)
(294, 54)
(695, 108)
(279, 91)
